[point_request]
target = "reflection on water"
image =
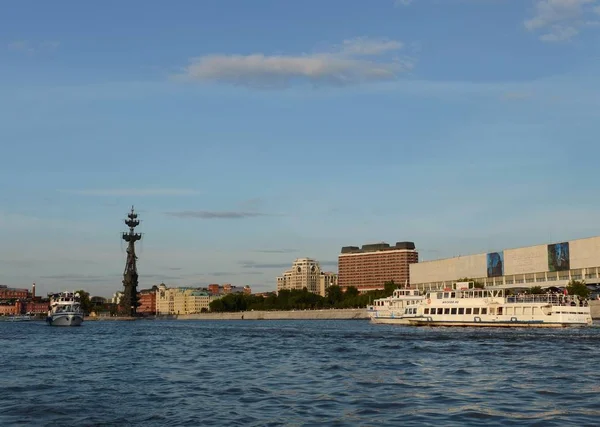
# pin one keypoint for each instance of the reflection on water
(172, 373)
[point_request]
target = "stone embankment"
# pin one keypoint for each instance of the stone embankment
(345, 314)
(101, 318)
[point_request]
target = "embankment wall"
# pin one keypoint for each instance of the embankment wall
(349, 314)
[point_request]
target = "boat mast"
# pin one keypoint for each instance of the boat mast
(130, 275)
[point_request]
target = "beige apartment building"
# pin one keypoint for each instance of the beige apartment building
(182, 300)
(306, 273)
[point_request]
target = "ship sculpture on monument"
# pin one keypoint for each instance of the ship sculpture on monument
(129, 302)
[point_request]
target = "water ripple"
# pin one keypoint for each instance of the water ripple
(295, 373)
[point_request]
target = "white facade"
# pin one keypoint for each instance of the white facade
(541, 265)
(182, 300)
(306, 273)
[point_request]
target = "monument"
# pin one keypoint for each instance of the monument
(129, 303)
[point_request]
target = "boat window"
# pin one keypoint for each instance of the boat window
(468, 310)
(484, 310)
(426, 311)
(440, 311)
(492, 310)
(461, 311)
(439, 295)
(446, 294)
(453, 295)
(428, 296)
(446, 311)
(499, 311)
(453, 310)
(476, 310)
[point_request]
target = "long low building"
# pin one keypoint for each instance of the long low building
(545, 265)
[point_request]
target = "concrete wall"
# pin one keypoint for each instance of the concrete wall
(449, 269)
(282, 315)
(583, 253)
(532, 259)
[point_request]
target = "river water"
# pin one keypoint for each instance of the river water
(270, 373)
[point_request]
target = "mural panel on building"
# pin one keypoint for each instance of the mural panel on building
(495, 264)
(558, 257)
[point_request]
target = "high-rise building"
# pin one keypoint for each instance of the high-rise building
(370, 267)
(305, 273)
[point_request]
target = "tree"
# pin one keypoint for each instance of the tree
(334, 294)
(351, 292)
(578, 287)
(389, 287)
(534, 290)
(84, 298)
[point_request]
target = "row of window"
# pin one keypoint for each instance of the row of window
(455, 310)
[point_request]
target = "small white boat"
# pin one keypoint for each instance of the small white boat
(19, 318)
(464, 305)
(65, 310)
(396, 309)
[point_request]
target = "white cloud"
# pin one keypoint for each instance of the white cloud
(31, 48)
(354, 61)
(560, 20)
(363, 46)
(134, 192)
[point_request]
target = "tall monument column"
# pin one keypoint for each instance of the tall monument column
(130, 302)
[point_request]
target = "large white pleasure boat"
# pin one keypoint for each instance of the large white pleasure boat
(396, 309)
(464, 305)
(65, 309)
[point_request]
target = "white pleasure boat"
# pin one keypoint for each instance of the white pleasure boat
(464, 305)
(65, 309)
(396, 309)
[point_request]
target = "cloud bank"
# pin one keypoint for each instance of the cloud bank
(355, 61)
(134, 192)
(561, 20)
(216, 214)
(31, 47)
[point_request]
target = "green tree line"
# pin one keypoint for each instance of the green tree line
(301, 300)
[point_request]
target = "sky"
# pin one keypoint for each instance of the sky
(249, 134)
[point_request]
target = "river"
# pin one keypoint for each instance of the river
(295, 372)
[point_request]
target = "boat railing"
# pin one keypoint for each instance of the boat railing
(554, 299)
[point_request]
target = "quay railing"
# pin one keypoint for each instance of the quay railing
(554, 299)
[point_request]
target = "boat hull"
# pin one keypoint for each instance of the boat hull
(390, 320)
(65, 320)
(498, 324)
(20, 319)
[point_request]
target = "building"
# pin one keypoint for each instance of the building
(227, 288)
(182, 300)
(147, 301)
(326, 280)
(305, 273)
(7, 293)
(117, 297)
(7, 309)
(370, 267)
(544, 265)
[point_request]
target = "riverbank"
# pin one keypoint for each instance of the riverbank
(335, 314)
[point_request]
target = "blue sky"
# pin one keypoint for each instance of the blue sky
(252, 133)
